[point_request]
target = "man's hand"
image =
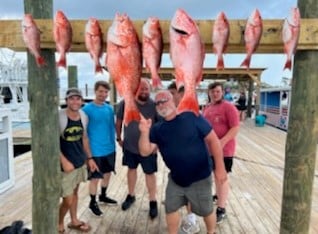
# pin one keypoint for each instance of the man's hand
(92, 165)
(144, 124)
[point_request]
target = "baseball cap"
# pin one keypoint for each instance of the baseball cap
(73, 92)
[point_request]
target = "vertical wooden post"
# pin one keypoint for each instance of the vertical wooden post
(250, 97)
(112, 96)
(301, 143)
(72, 76)
(43, 98)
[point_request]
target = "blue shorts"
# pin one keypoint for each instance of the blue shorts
(198, 194)
(105, 164)
(149, 163)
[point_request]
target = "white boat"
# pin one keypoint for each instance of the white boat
(13, 89)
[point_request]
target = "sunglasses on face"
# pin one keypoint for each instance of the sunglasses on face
(161, 101)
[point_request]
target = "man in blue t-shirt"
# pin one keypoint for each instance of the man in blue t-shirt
(185, 142)
(101, 135)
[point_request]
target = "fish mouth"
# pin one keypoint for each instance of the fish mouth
(180, 31)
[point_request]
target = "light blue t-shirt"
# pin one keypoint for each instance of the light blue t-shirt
(100, 128)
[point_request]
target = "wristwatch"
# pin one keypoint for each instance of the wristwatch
(118, 139)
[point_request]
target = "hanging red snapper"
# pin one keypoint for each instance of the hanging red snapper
(31, 38)
(290, 35)
(252, 36)
(152, 47)
(94, 42)
(124, 63)
(187, 56)
(220, 38)
(62, 32)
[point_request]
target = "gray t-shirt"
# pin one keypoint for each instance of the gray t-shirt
(131, 132)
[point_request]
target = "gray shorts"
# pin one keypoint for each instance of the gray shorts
(71, 179)
(198, 194)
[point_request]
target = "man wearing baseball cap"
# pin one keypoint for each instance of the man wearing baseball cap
(75, 154)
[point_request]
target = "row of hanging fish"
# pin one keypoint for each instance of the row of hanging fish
(62, 34)
(152, 42)
(252, 36)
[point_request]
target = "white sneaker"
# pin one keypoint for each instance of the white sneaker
(189, 227)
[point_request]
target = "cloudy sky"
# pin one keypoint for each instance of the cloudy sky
(164, 9)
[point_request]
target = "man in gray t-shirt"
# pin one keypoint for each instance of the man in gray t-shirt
(131, 155)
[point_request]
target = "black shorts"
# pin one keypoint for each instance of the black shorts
(105, 164)
(228, 163)
(149, 163)
(241, 108)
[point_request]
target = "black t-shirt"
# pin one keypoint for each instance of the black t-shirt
(71, 143)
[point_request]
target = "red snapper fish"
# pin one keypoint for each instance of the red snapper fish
(62, 32)
(187, 55)
(252, 36)
(220, 38)
(152, 47)
(31, 38)
(124, 63)
(94, 42)
(290, 35)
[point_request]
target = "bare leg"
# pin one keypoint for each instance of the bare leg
(93, 186)
(210, 222)
(106, 179)
(151, 183)
(73, 208)
(173, 220)
(64, 208)
(222, 192)
(131, 179)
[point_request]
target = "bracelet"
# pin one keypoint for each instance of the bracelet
(89, 158)
(118, 139)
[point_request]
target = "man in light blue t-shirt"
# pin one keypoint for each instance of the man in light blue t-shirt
(101, 135)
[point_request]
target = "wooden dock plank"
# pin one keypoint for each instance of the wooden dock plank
(254, 201)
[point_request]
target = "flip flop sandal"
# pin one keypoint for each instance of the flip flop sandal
(82, 226)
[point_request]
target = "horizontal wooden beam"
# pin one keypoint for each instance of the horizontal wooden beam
(271, 42)
(241, 74)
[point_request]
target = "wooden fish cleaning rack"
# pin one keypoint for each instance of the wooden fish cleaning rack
(271, 40)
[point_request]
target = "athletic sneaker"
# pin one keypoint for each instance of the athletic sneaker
(189, 227)
(128, 202)
(107, 200)
(220, 215)
(93, 206)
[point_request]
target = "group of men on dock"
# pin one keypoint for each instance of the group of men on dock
(191, 146)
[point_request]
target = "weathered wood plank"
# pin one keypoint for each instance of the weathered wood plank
(271, 42)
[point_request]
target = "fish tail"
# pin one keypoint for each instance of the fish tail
(98, 69)
(246, 62)
(62, 61)
(287, 64)
(220, 63)
(40, 61)
(131, 115)
(188, 103)
(156, 81)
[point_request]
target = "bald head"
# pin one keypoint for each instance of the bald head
(143, 92)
